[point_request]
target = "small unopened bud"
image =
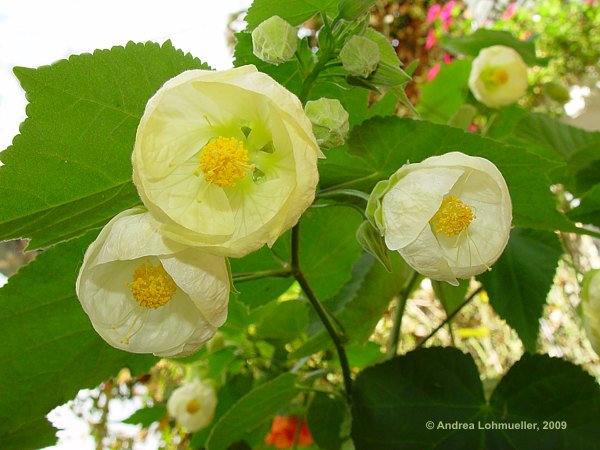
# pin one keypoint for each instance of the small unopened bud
(557, 92)
(329, 122)
(352, 9)
(360, 56)
(274, 41)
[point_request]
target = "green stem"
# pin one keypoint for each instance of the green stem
(319, 308)
(450, 317)
(249, 276)
(398, 313)
(312, 77)
(348, 192)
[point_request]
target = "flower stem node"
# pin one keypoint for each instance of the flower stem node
(498, 76)
(144, 293)
(448, 216)
(330, 122)
(193, 405)
(274, 40)
(360, 56)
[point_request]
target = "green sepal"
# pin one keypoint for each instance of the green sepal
(371, 240)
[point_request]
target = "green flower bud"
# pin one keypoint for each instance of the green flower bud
(557, 92)
(274, 41)
(329, 121)
(352, 9)
(360, 56)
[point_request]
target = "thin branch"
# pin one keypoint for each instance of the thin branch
(249, 276)
(398, 313)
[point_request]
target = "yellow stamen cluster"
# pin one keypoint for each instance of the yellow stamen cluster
(223, 161)
(453, 217)
(500, 76)
(494, 77)
(193, 406)
(152, 286)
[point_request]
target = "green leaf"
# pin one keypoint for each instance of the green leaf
(147, 416)
(69, 170)
(588, 211)
(283, 321)
(359, 304)
(393, 400)
(380, 146)
(327, 418)
(482, 38)
(50, 349)
(521, 279)
(294, 11)
(450, 296)
(540, 389)
(442, 97)
(252, 410)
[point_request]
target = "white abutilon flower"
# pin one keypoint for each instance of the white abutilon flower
(498, 76)
(193, 405)
(590, 306)
(448, 216)
(225, 160)
(146, 294)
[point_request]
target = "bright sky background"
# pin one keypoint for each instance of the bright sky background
(39, 32)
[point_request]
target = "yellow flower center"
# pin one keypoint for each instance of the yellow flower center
(223, 161)
(453, 217)
(152, 286)
(494, 77)
(193, 406)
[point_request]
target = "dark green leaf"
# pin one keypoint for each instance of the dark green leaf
(252, 410)
(520, 280)
(450, 296)
(294, 11)
(283, 321)
(482, 38)
(69, 170)
(588, 211)
(328, 418)
(50, 349)
(147, 416)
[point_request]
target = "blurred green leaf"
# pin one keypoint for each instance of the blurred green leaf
(147, 416)
(283, 321)
(252, 410)
(69, 170)
(588, 211)
(328, 420)
(50, 350)
(520, 280)
(294, 11)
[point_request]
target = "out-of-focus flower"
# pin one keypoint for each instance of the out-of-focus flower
(274, 40)
(498, 76)
(510, 11)
(360, 56)
(590, 296)
(283, 432)
(193, 405)
(447, 58)
(473, 128)
(446, 24)
(446, 11)
(329, 121)
(433, 12)
(225, 160)
(431, 40)
(432, 73)
(146, 294)
(448, 216)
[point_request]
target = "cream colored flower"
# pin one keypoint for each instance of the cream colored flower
(193, 405)
(590, 305)
(225, 160)
(448, 216)
(274, 40)
(146, 294)
(498, 76)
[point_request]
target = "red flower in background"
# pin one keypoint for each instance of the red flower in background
(446, 12)
(430, 39)
(283, 431)
(433, 12)
(432, 73)
(510, 11)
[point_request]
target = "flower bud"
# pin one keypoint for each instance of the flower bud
(329, 121)
(590, 296)
(449, 216)
(274, 41)
(557, 92)
(498, 76)
(352, 9)
(193, 405)
(360, 56)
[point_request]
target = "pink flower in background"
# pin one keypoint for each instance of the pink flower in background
(433, 12)
(447, 58)
(430, 39)
(432, 73)
(473, 128)
(510, 11)
(446, 12)
(447, 23)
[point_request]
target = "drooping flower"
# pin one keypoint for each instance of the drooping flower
(590, 305)
(274, 40)
(360, 56)
(449, 216)
(446, 11)
(510, 11)
(225, 160)
(431, 39)
(283, 432)
(433, 12)
(193, 405)
(432, 73)
(329, 121)
(498, 76)
(146, 294)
